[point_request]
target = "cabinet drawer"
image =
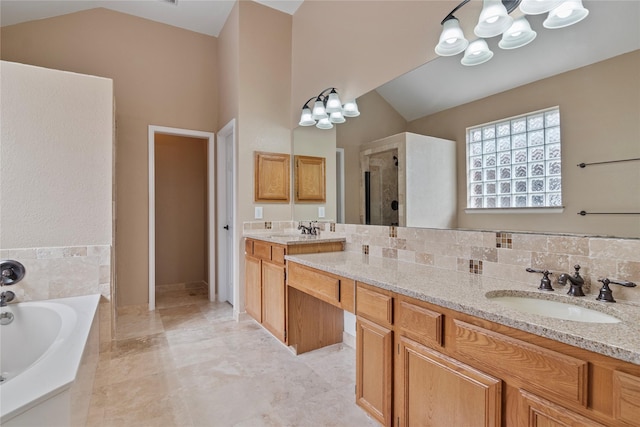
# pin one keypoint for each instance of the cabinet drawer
(536, 368)
(315, 283)
(419, 323)
(277, 254)
(248, 247)
(262, 250)
(626, 397)
(374, 305)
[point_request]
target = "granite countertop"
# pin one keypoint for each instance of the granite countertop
(466, 293)
(291, 238)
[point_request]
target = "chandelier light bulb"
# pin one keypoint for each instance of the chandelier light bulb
(350, 109)
(452, 40)
(319, 111)
(334, 104)
(568, 13)
(494, 19)
(324, 123)
(305, 118)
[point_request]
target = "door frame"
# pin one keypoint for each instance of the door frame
(340, 211)
(228, 131)
(211, 220)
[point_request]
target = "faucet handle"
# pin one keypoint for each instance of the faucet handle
(605, 292)
(545, 282)
(577, 269)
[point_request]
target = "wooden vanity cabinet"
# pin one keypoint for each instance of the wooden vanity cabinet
(374, 352)
(265, 296)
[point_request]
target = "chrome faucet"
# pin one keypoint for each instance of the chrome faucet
(6, 297)
(576, 282)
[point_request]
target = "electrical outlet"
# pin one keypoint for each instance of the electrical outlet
(321, 212)
(258, 214)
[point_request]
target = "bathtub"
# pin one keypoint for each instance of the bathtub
(48, 358)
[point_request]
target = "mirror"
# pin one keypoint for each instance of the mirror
(586, 69)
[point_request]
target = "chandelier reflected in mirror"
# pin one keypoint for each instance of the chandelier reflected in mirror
(494, 20)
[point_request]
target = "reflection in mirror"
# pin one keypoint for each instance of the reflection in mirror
(310, 141)
(590, 70)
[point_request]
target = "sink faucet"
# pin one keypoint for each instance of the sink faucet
(305, 229)
(576, 282)
(311, 230)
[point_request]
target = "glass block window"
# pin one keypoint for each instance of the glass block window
(515, 162)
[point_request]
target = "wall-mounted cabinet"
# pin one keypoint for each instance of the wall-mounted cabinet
(310, 179)
(271, 173)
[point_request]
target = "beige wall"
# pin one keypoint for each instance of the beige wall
(600, 111)
(264, 98)
(377, 120)
(228, 68)
(162, 75)
(181, 209)
(56, 158)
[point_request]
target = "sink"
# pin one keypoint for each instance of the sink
(554, 309)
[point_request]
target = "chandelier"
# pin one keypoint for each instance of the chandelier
(327, 110)
(494, 20)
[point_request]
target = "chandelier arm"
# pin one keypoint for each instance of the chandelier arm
(510, 5)
(455, 9)
(306, 104)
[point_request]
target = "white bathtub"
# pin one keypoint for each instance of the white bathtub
(49, 355)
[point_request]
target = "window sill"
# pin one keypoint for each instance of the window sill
(556, 210)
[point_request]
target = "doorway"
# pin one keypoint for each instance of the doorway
(209, 203)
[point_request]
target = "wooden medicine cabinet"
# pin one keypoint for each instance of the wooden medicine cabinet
(310, 179)
(271, 174)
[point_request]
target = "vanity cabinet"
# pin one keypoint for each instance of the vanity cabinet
(374, 352)
(437, 390)
(265, 296)
(450, 368)
(266, 293)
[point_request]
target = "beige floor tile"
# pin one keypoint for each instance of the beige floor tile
(182, 317)
(189, 364)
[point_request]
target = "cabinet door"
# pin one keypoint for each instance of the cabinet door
(538, 412)
(253, 287)
(435, 390)
(374, 369)
(273, 299)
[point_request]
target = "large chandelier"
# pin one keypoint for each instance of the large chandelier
(494, 20)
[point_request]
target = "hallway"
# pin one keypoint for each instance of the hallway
(188, 363)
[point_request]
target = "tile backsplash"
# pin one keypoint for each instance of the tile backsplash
(503, 255)
(59, 272)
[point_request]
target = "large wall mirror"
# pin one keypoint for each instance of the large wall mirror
(590, 70)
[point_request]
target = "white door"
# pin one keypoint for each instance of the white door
(226, 164)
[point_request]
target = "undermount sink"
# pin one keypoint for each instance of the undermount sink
(554, 309)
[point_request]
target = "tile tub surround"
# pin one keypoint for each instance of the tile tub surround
(58, 272)
(465, 292)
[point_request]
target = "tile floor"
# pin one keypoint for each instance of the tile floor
(188, 363)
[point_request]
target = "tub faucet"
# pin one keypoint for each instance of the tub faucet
(6, 297)
(576, 282)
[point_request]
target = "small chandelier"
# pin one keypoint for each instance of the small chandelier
(327, 110)
(495, 20)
